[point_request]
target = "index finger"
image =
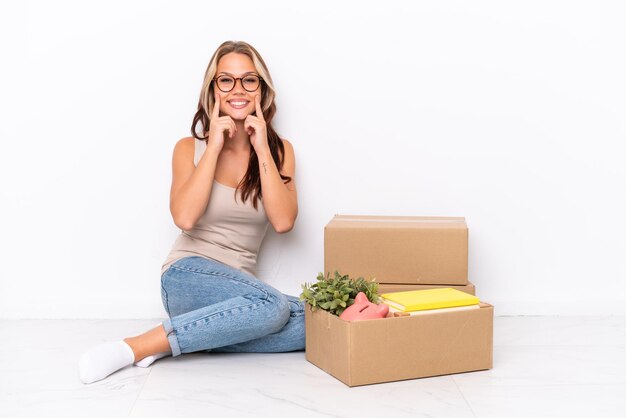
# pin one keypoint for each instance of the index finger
(216, 107)
(259, 111)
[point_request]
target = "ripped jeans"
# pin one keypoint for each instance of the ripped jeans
(214, 307)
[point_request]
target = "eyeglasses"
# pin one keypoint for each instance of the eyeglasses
(249, 82)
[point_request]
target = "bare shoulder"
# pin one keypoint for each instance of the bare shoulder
(288, 148)
(289, 164)
(185, 148)
(185, 143)
(289, 157)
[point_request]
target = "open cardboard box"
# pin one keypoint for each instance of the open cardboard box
(398, 348)
(398, 249)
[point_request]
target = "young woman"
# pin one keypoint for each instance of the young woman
(227, 185)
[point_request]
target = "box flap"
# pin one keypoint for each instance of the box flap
(376, 221)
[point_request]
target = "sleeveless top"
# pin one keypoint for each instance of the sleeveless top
(229, 232)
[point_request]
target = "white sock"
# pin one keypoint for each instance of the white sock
(147, 361)
(100, 361)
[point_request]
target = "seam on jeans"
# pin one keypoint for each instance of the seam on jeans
(167, 301)
(216, 313)
(299, 311)
(229, 276)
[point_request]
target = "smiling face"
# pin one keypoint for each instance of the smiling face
(237, 103)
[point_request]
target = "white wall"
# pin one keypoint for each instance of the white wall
(508, 113)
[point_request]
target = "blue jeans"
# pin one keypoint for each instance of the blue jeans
(214, 307)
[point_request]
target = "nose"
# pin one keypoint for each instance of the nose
(240, 81)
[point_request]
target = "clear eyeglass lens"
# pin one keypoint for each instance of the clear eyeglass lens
(250, 82)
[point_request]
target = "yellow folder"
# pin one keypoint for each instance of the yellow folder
(417, 300)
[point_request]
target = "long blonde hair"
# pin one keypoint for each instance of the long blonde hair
(251, 182)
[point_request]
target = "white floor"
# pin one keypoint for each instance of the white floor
(543, 367)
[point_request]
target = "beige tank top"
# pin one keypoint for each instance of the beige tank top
(228, 231)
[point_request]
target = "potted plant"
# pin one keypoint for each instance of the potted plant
(336, 294)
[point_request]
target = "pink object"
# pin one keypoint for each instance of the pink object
(362, 308)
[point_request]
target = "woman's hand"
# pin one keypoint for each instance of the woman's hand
(219, 125)
(256, 128)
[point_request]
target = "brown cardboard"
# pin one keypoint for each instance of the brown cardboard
(389, 287)
(399, 348)
(398, 249)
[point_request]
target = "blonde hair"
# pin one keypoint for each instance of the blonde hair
(251, 181)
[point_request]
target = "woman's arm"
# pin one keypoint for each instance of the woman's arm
(280, 200)
(191, 185)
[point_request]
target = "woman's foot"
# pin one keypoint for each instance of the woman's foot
(101, 360)
(146, 362)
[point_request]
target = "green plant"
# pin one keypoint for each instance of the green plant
(336, 294)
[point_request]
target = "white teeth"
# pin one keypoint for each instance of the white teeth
(238, 103)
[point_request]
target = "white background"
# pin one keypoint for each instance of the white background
(511, 114)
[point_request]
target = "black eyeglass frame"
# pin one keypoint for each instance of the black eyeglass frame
(235, 83)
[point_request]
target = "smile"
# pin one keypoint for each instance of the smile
(238, 104)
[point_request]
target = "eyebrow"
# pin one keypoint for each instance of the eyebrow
(249, 72)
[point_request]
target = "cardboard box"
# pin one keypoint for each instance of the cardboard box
(388, 287)
(398, 249)
(399, 348)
